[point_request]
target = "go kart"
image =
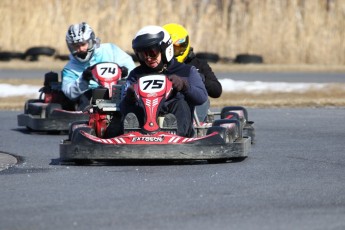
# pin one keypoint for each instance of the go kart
(223, 139)
(53, 111)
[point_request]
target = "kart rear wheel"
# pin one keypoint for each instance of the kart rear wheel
(26, 105)
(232, 109)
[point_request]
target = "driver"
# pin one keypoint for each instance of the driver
(184, 53)
(86, 51)
(154, 49)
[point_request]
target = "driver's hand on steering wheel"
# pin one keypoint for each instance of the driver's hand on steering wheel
(130, 96)
(179, 84)
(87, 74)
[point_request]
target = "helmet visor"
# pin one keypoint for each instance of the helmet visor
(78, 47)
(180, 46)
(149, 53)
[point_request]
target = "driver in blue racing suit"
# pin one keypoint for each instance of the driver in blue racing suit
(86, 51)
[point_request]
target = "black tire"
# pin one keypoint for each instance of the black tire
(26, 105)
(41, 50)
(248, 58)
(75, 135)
(72, 127)
(5, 56)
(18, 55)
(63, 57)
(231, 108)
(33, 53)
(210, 57)
(234, 133)
(221, 131)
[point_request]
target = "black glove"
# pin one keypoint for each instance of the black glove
(124, 71)
(179, 84)
(130, 95)
(87, 74)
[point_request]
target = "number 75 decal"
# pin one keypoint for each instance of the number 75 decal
(152, 83)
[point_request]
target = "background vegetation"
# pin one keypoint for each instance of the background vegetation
(282, 31)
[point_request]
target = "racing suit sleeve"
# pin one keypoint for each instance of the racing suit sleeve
(213, 86)
(72, 85)
(196, 92)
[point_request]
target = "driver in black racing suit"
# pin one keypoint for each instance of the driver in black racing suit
(154, 49)
(183, 52)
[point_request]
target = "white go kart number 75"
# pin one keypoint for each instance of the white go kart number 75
(152, 83)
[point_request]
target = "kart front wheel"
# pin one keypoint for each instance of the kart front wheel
(75, 125)
(223, 133)
(76, 136)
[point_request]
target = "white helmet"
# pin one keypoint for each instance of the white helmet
(154, 37)
(81, 33)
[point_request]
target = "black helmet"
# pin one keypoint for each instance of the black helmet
(154, 37)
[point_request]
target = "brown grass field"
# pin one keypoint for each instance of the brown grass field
(282, 31)
(291, 35)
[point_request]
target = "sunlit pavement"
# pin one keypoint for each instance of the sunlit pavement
(6, 161)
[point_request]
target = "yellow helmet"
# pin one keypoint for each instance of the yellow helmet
(180, 38)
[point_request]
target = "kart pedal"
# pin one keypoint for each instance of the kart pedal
(170, 121)
(131, 122)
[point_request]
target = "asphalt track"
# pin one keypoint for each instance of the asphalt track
(292, 179)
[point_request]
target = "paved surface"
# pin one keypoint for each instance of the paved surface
(6, 161)
(292, 179)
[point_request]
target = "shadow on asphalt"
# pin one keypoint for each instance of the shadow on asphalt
(87, 162)
(33, 132)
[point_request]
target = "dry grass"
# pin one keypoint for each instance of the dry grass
(13, 103)
(333, 95)
(283, 31)
(271, 100)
